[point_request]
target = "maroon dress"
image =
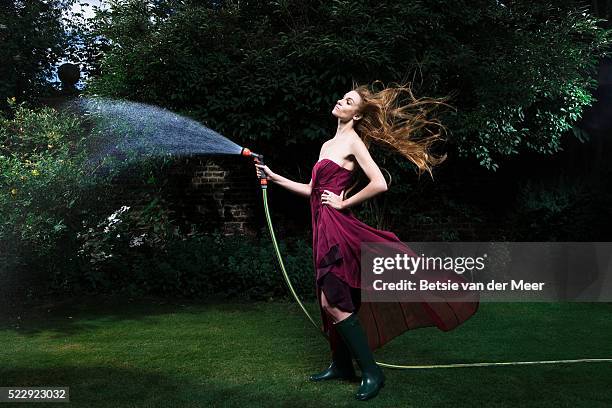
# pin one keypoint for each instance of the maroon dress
(336, 247)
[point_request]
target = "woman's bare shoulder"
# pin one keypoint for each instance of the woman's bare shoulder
(355, 139)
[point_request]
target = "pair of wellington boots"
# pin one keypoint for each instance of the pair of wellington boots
(354, 343)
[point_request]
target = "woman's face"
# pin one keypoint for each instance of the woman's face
(347, 108)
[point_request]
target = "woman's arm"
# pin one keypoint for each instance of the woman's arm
(377, 183)
(301, 189)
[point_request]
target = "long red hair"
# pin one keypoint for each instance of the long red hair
(394, 118)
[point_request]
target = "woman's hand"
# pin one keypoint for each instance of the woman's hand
(269, 173)
(333, 200)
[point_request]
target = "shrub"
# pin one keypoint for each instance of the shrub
(565, 209)
(44, 191)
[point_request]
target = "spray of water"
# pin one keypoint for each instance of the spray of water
(124, 131)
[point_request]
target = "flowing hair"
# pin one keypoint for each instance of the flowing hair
(396, 120)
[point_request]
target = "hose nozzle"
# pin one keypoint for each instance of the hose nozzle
(259, 159)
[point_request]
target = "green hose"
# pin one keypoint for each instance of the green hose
(282, 265)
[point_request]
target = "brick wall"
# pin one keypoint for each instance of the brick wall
(213, 193)
(228, 190)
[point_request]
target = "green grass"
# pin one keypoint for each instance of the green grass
(115, 353)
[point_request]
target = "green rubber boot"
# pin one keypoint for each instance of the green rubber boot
(372, 376)
(341, 367)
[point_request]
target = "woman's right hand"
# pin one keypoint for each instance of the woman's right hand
(269, 173)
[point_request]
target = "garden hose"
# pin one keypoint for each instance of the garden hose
(264, 191)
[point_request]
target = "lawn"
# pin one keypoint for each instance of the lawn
(113, 352)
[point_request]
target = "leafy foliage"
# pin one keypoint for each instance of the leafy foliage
(565, 209)
(42, 184)
(33, 40)
(269, 72)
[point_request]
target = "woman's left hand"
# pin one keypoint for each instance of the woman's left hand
(333, 200)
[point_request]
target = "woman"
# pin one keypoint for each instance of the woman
(364, 116)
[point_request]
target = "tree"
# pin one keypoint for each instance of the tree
(263, 72)
(33, 40)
